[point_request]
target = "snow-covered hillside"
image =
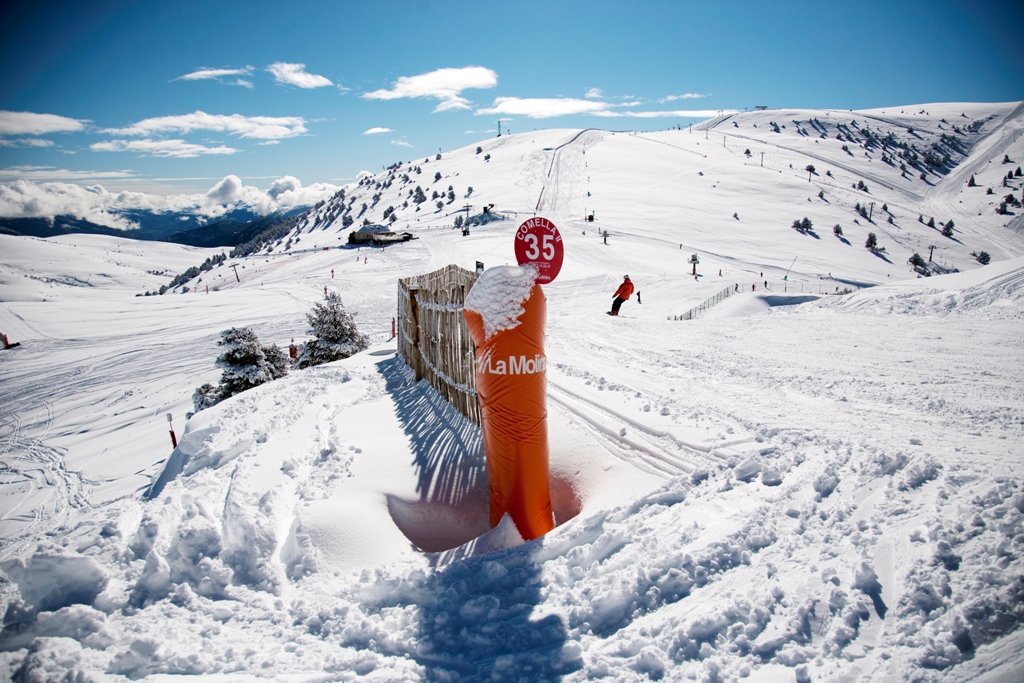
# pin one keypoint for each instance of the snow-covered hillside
(795, 486)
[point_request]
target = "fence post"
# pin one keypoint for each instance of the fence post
(414, 310)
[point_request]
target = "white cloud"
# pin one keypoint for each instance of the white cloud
(443, 84)
(685, 96)
(260, 127)
(26, 199)
(269, 142)
(680, 113)
(374, 131)
(545, 108)
(49, 173)
(26, 142)
(160, 148)
(542, 108)
(295, 74)
(594, 93)
(401, 143)
(28, 123)
(216, 74)
(242, 82)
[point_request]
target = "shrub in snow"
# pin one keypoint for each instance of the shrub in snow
(437, 176)
(918, 263)
(947, 229)
(336, 336)
(837, 230)
(983, 258)
(871, 242)
(479, 149)
(245, 364)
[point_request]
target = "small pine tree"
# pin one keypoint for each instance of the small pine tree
(983, 258)
(947, 229)
(971, 183)
(920, 218)
(479, 149)
(1006, 159)
(837, 230)
(438, 157)
(872, 242)
(810, 171)
(1017, 172)
(917, 262)
(931, 222)
(335, 334)
(437, 176)
(244, 364)
(747, 152)
(205, 397)
(806, 224)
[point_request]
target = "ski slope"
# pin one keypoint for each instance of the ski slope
(795, 486)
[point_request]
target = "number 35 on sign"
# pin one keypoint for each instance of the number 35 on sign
(538, 242)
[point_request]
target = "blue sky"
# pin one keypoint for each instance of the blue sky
(173, 96)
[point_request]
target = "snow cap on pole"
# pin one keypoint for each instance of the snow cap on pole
(498, 296)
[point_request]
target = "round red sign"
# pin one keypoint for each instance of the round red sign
(538, 242)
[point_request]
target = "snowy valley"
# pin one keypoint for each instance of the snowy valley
(817, 479)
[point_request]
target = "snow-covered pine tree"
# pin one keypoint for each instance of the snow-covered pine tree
(245, 364)
(205, 396)
(335, 334)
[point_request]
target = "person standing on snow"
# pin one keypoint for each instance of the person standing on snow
(623, 293)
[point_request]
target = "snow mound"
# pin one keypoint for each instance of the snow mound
(996, 291)
(498, 296)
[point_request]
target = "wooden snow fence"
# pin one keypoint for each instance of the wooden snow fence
(433, 338)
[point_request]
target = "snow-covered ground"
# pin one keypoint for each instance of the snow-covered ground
(796, 486)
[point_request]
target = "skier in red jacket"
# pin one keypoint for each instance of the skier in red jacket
(624, 291)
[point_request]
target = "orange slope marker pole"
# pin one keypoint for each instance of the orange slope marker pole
(511, 382)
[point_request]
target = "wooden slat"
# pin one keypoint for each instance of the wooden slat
(433, 338)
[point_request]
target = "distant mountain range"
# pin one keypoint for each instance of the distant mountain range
(229, 230)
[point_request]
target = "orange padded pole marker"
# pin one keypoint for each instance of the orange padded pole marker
(505, 312)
